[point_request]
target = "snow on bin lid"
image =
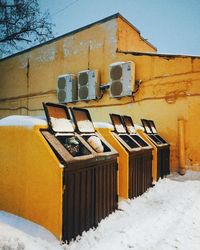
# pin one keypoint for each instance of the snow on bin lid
(138, 127)
(22, 121)
(117, 123)
(58, 118)
(152, 126)
(129, 124)
(145, 124)
(83, 120)
(103, 125)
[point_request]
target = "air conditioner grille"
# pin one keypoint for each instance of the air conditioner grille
(61, 95)
(83, 92)
(83, 79)
(61, 83)
(116, 72)
(116, 88)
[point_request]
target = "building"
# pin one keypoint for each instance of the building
(169, 86)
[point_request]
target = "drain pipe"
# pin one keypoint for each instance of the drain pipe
(181, 143)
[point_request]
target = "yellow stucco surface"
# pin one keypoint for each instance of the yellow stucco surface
(129, 39)
(31, 179)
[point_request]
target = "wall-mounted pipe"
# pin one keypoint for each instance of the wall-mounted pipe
(181, 144)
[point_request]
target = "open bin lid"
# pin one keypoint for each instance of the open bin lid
(128, 122)
(146, 126)
(82, 120)
(58, 118)
(118, 123)
(153, 127)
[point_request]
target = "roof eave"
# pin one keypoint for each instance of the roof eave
(135, 53)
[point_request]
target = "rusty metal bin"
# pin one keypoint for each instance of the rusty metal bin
(84, 175)
(163, 148)
(146, 158)
(139, 169)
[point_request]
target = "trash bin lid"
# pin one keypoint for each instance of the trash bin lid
(58, 118)
(146, 126)
(118, 123)
(128, 122)
(153, 127)
(82, 120)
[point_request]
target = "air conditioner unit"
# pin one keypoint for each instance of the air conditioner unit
(122, 79)
(67, 88)
(88, 86)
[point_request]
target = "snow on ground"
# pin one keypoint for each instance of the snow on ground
(17, 233)
(165, 217)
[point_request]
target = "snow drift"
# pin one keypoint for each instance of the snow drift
(165, 217)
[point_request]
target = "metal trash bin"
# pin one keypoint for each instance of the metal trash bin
(106, 164)
(89, 189)
(139, 158)
(147, 152)
(163, 148)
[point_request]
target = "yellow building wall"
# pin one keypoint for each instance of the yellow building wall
(31, 179)
(129, 39)
(169, 90)
(31, 77)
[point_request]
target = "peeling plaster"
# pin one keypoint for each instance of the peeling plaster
(23, 60)
(95, 45)
(111, 29)
(46, 54)
(67, 44)
(70, 47)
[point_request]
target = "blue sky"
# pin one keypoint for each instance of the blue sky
(173, 26)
